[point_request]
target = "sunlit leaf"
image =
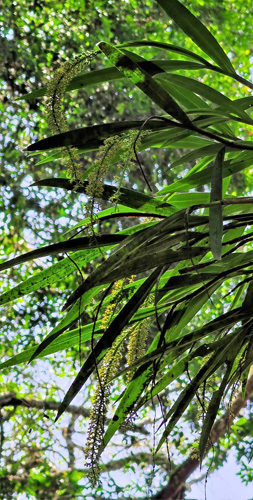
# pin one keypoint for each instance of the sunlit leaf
(197, 32)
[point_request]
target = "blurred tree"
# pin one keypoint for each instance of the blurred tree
(39, 459)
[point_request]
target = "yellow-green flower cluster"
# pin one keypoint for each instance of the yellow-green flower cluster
(136, 345)
(111, 308)
(104, 157)
(109, 368)
(107, 371)
(55, 116)
(126, 160)
(136, 338)
(97, 176)
(57, 87)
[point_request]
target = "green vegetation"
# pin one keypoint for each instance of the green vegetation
(142, 215)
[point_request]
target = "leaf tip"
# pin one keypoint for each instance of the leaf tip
(57, 417)
(65, 306)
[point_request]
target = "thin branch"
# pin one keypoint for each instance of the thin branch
(10, 399)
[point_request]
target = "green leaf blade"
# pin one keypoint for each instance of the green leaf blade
(215, 212)
(200, 35)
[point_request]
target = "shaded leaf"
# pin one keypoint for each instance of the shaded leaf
(165, 46)
(141, 79)
(204, 90)
(211, 149)
(215, 211)
(193, 306)
(111, 213)
(127, 258)
(64, 246)
(214, 404)
(91, 137)
(186, 396)
(66, 340)
(49, 276)
(204, 177)
(128, 197)
(109, 74)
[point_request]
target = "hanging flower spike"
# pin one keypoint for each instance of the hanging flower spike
(55, 116)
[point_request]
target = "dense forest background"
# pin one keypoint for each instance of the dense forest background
(39, 458)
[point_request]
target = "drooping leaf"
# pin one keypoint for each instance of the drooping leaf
(244, 381)
(130, 257)
(204, 90)
(204, 177)
(66, 340)
(72, 337)
(91, 137)
(181, 366)
(164, 46)
(64, 246)
(187, 395)
(127, 197)
(215, 211)
(113, 213)
(200, 35)
(110, 74)
(50, 275)
(209, 150)
(214, 404)
(193, 306)
(141, 79)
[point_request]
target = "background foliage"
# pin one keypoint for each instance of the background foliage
(47, 457)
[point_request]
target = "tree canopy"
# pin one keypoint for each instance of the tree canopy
(126, 256)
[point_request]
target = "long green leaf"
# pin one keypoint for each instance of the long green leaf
(211, 414)
(197, 153)
(215, 212)
(200, 35)
(194, 305)
(141, 79)
(144, 374)
(64, 246)
(109, 74)
(72, 337)
(92, 137)
(67, 340)
(182, 365)
(187, 395)
(111, 213)
(50, 275)
(204, 177)
(127, 254)
(231, 262)
(204, 90)
(127, 197)
(164, 46)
